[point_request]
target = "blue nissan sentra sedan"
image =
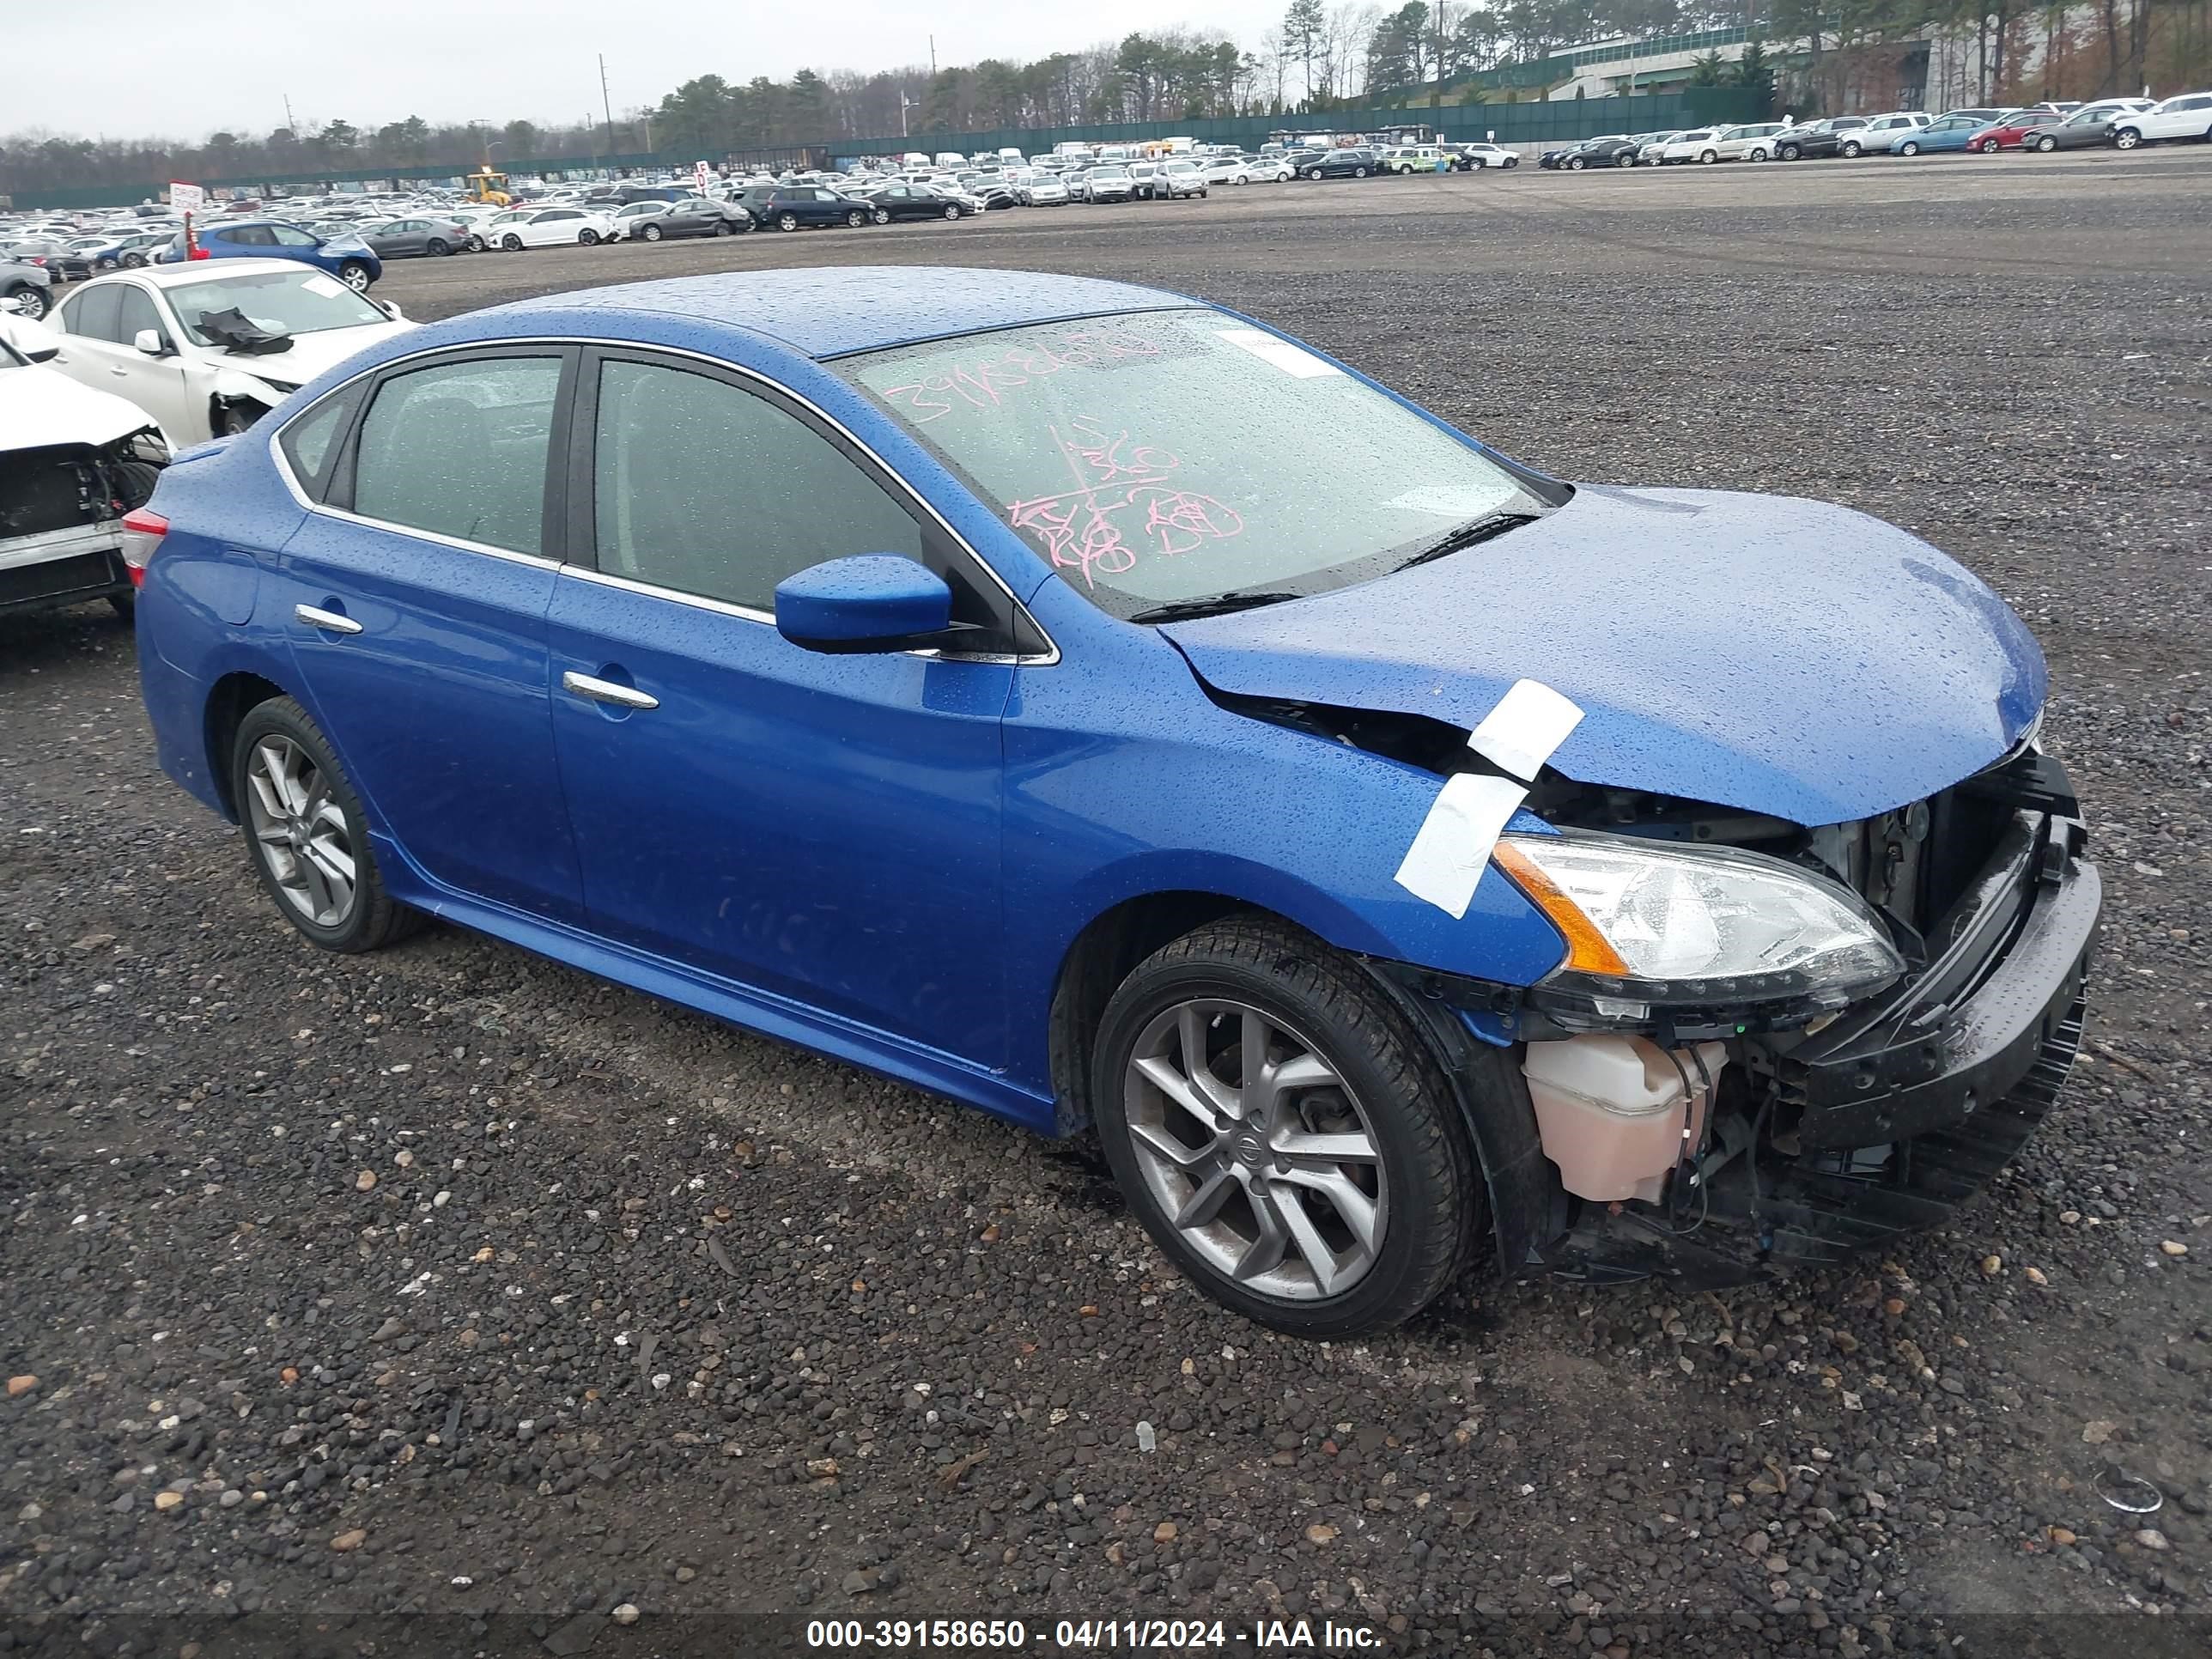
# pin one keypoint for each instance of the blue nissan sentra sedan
(1389, 860)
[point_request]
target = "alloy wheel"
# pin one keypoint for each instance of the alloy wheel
(302, 831)
(1249, 1138)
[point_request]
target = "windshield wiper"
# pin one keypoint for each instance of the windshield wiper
(1466, 536)
(1215, 605)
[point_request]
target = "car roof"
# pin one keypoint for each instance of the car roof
(828, 312)
(171, 276)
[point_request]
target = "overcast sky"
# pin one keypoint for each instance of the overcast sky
(142, 68)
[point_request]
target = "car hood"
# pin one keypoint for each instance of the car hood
(39, 406)
(1781, 656)
(310, 354)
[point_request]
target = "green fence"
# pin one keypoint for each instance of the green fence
(1553, 121)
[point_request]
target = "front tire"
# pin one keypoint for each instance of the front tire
(1326, 1189)
(511, 242)
(2126, 138)
(1990, 146)
(33, 302)
(305, 834)
(1908, 147)
(1575, 164)
(2045, 144)
(952, 209)
(649, 233)
(1706, 158)
(855, 219)
(134, 260)
(1849, 150)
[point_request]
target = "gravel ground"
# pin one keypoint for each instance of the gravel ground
(452, 1283)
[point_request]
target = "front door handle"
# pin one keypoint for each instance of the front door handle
(329, 621)
(622, 696)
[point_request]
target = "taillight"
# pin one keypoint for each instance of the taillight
(141, 533)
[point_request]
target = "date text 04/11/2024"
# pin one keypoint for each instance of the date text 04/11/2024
(1283, 1636)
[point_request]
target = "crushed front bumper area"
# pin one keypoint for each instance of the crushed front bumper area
(1888, 1120)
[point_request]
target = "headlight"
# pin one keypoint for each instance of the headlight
(1656, 923)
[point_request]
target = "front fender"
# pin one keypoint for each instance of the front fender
(1115, 797)
(233, 385)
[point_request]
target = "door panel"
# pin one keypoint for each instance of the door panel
(432, 682)
(823, 827)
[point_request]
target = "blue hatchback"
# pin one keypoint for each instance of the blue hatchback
(349, 259)
(1381, 858)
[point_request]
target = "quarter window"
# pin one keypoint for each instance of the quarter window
(460, 450)
(700, 486)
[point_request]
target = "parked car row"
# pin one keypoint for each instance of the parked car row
(2118, 122)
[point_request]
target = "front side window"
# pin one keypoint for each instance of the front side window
(671, 445)
(459, 449)
(1103, 444)
(252, 236)
(134, 314)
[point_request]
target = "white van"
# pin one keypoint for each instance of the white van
(951, 158)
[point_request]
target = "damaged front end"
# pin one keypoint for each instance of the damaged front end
(61, 512)
(1712, 1129)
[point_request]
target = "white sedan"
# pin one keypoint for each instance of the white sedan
(207, 349)
(1489, 155)
(552, 227)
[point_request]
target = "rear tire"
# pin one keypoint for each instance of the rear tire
(437, 248)
(333, 826)
(355, 274)
(786, 221)
(1398, 1154)
(649, 233)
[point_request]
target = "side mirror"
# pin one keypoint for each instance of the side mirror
(150, 341)
(871, 602)
(31, 337)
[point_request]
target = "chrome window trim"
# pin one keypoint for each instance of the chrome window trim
(1046, 658)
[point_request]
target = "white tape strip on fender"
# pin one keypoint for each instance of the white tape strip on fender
(1452, 848)
(1528, 723)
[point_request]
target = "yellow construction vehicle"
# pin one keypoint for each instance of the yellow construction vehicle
(489, 187)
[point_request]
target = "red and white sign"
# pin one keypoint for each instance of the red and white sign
(700, 174)
(186, 199)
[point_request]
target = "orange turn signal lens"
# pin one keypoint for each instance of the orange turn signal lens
(1589, 951)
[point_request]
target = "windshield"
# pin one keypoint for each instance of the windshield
(1104, 444)
(297, 302)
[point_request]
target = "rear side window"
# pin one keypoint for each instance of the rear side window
(460, 450)
(94, 314)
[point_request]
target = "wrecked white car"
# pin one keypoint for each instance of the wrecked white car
(207, 349)
(73, 461)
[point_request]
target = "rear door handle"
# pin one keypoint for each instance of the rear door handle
(329, 621)
(622, 696)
